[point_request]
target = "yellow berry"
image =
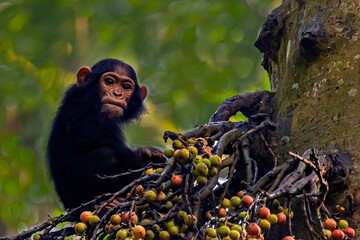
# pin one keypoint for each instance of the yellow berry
(150, 196)
(93, 220)
(224, 231)
(115, 219)
(211, 232)
(80, 228)
(215, 161)
(164, 235)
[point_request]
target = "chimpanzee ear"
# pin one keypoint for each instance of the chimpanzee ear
(143, 92)
(81, 74)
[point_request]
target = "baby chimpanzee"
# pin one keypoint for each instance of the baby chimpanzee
(86, 140)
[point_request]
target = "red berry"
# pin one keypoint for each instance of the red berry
(288, 238)
(264, 213)
(350, 232)
(281, 218)
(246, 201)
(337, 234)
(253, 230)
(176, 180)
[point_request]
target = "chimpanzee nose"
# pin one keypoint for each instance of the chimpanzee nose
(117, 92)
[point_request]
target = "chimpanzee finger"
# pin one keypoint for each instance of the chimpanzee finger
(120, 199)
(159, 157)
(146, 152)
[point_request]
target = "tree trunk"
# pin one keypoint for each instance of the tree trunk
(312, 54)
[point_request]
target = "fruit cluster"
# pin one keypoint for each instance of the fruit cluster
(338, 231)
(234, 218)
(157, 201)
(86, 217)
(119, 223)
(163, 209)
(205, 165)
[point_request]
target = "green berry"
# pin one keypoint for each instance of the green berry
(169, 153)
(235, 201)
(234, 235)
(149, 235)
(211, 232)
(224, 231)
(177, 144)
(343, 224)
(264, 225)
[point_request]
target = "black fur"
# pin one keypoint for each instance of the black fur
(85, 143)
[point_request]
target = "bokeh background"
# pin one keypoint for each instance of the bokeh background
(191, 54)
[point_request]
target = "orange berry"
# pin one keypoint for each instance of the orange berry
(176, 180)
(246, 201)
(115, 219)
(222, 212)
(264, 213)
(126, 218)
(281, 218)
(330, 224)
(139, 232)
(85, 216)
(208, 215)
(139, 190)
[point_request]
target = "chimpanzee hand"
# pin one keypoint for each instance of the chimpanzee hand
(150, 154)
(114, 203)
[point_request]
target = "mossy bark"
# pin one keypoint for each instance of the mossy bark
(312, 53)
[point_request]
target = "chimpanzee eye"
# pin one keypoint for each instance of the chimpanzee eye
(109, 81)
(127, 86)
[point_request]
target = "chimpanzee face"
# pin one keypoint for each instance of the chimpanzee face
(117, 86)
(116, 89)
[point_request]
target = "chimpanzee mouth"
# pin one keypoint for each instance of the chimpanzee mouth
(113, 103)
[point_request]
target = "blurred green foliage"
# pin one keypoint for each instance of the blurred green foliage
(191, 54)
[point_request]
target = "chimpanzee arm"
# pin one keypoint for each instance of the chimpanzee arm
(112, 161)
